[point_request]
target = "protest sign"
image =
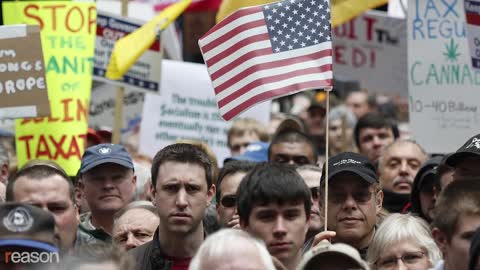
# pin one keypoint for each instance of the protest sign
(102, 108)
(145, 72)
(443, 88)
(373, 50)
(23, 89)
(187, 110)
(472, 13)
(68, 38)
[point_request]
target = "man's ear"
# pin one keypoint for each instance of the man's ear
(379, 201)
(153, 191)
(210, 194)
(440, 238)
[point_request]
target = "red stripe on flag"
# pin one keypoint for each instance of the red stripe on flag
(233, 17)
(256, 38)
(269, 65)
(473, 18)
(217, 74)
(272, 79)
(244, 27)
(274, 93)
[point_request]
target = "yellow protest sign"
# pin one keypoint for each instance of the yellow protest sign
(68, 41)
(128, 49)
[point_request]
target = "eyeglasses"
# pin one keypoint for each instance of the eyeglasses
(409, 258)
(363, 196)
(229, 201)
(315, 191)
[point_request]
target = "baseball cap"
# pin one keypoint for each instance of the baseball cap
(27, 226)
(470, 148)
(351, 162)
(105, 153)
(316, 256)
(256, 152)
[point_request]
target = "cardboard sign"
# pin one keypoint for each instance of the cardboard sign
(102, 108)
(373, 50)
(23, 88)
(443, 88)
(145, 72)
(187, 110)
(472, 13)
(68, 38)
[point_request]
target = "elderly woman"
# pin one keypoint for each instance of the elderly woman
(403, 242)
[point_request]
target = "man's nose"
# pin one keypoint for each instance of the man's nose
(279, 227)
(181, 200)
(131, 242)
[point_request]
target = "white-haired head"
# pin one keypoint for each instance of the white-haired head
(233, 247)
(397, 228)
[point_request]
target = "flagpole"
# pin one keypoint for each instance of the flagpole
(327, 114)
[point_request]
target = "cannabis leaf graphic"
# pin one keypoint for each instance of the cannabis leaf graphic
(451, 53)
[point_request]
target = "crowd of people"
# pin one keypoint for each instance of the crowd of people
(385, 203)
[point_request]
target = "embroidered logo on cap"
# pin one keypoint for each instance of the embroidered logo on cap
(475, 142)
(346, 161)
(18, 220)
(104, 150)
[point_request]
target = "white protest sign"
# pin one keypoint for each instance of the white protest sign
(187, 110)
(145, 72)
(102, 107)
(373, 50)
(472, 13)
(443, 88)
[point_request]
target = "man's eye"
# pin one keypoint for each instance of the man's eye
(171, 188)
(191, 189)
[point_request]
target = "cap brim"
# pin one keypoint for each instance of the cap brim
(25, 243)
(96, 163)
(365, 177)
(455, 158)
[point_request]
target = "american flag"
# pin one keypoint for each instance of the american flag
(262, 52)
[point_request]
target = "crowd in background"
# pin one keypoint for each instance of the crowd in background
(389, 205)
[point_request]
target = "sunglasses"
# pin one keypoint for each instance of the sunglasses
(229, 201)
(340, 197)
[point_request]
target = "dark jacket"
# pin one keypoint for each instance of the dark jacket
(100, 235)
(149, 256)
(427, 169)
(395, 202)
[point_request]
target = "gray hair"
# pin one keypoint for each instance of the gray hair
(219, 244)
(340, 111)
(397, 228)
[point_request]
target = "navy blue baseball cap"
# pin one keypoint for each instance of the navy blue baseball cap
(105, 153)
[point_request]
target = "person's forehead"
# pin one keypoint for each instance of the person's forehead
(247, 135)
(357, 97)
(274, 206)
(231, 181)
(407, 150)
(293, 148)
(374, 131)
(136, 216)
(50, 185)
(181, 171)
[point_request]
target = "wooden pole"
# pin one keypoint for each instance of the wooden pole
(118, 119)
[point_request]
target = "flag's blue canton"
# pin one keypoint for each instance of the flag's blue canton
(295, 24)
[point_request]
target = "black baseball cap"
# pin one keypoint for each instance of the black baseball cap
(470, 148)
(105, 153)
(28, 227)
(350, 162)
